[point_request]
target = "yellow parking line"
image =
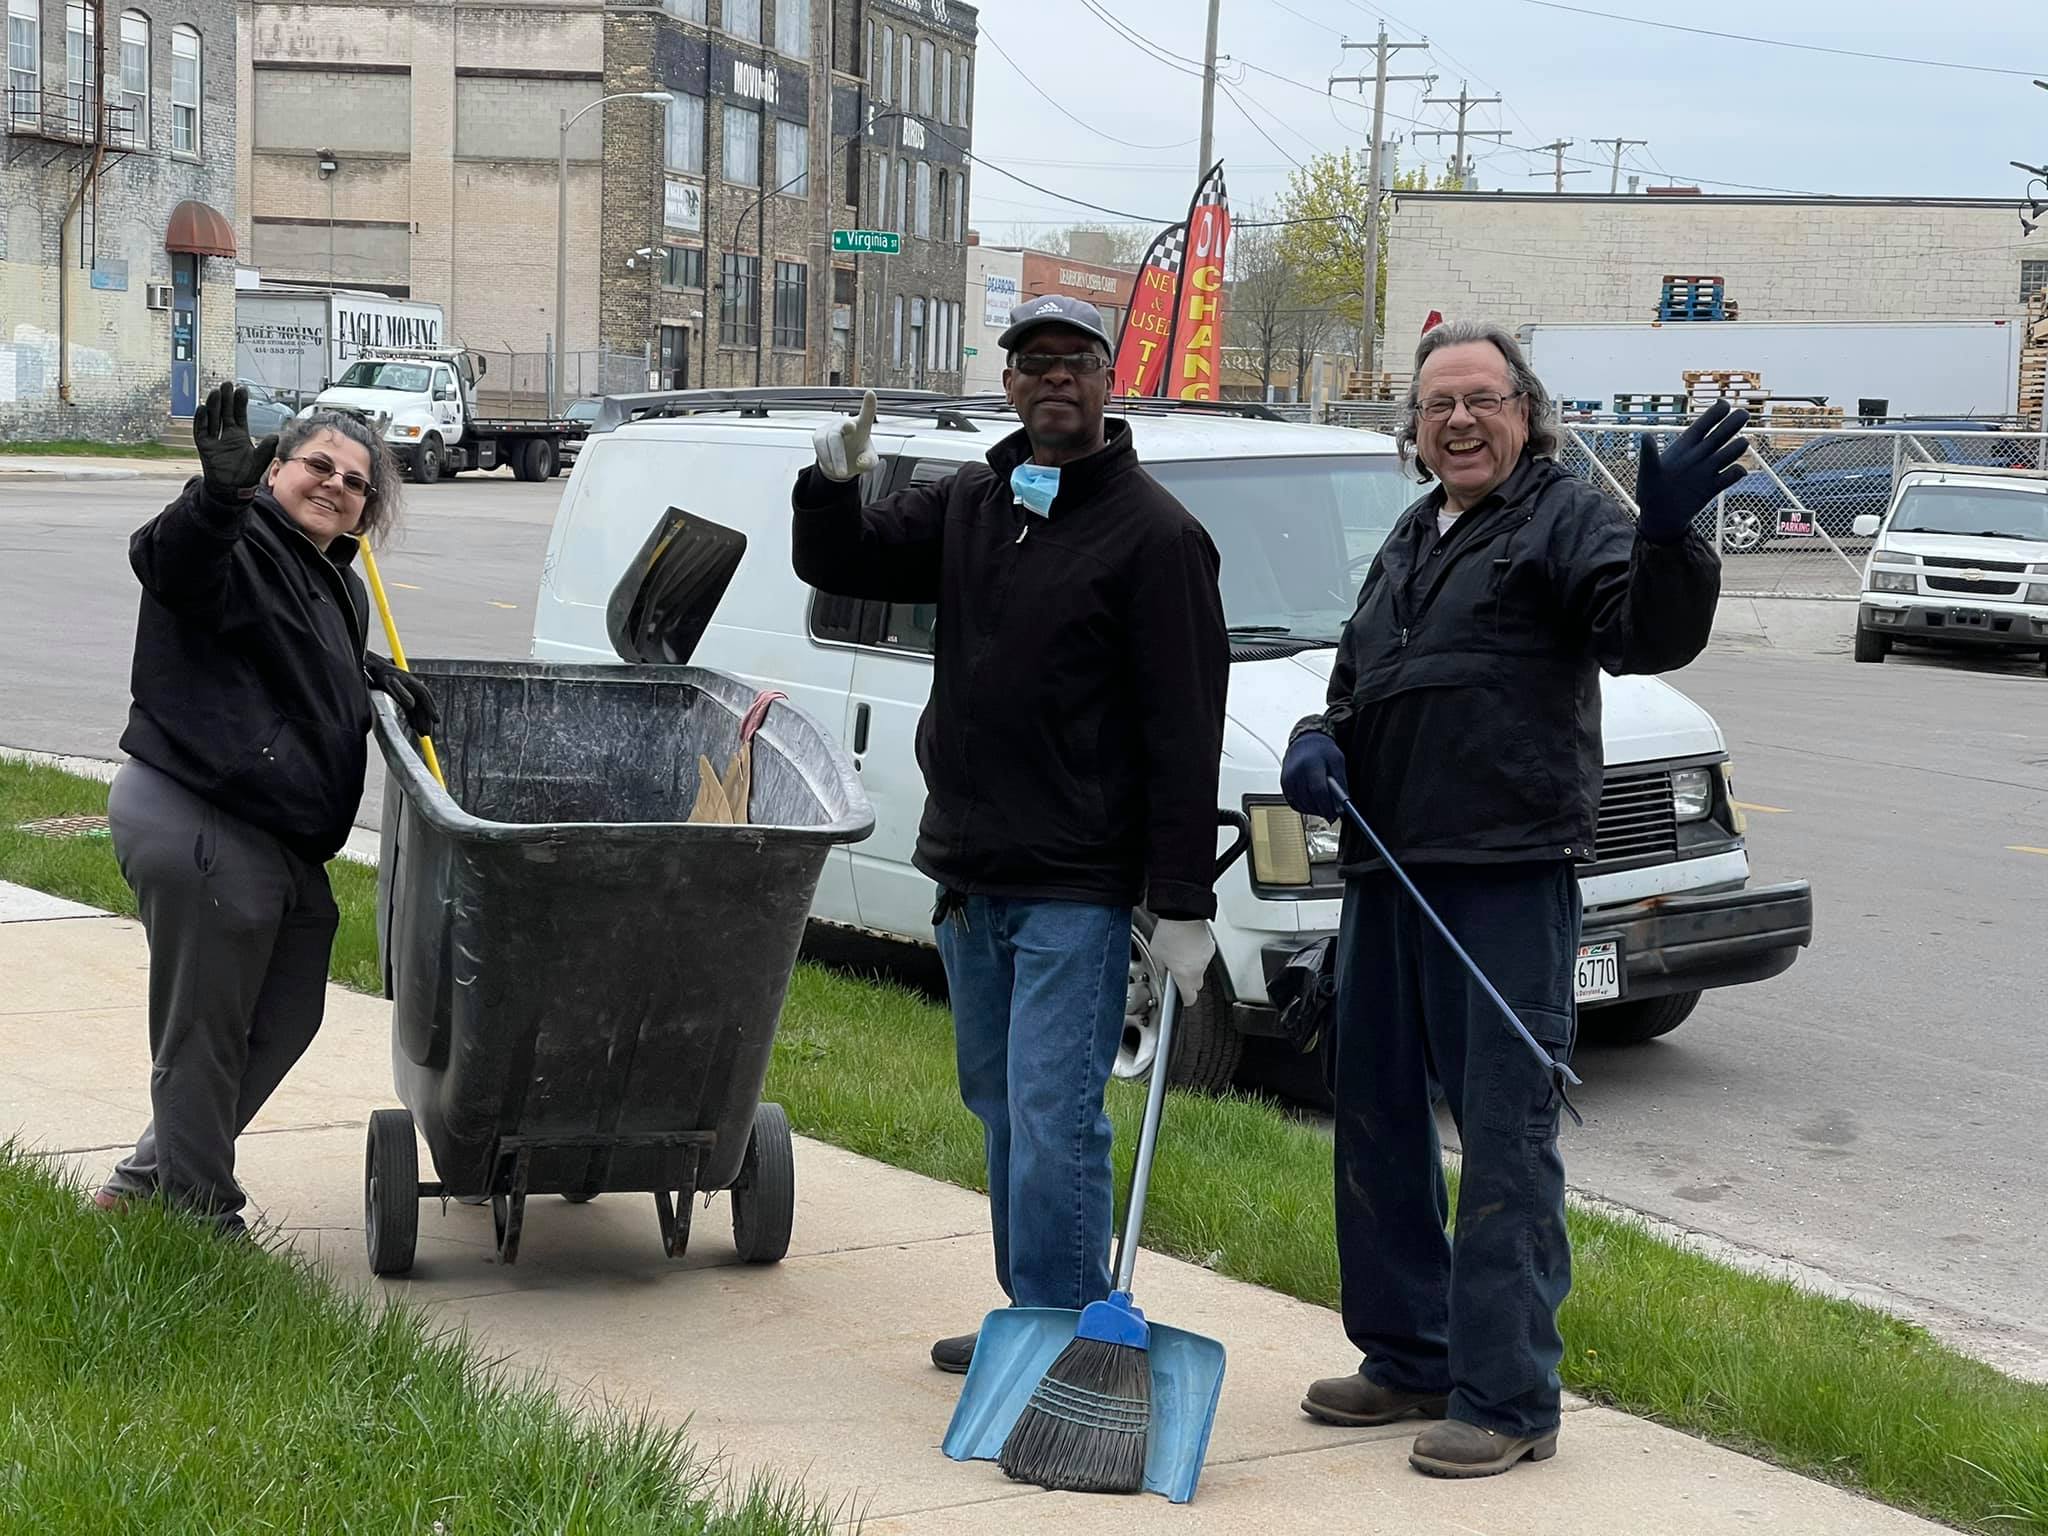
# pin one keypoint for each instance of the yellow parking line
(496, 604)
(1766, 810)
(2023, 848)
(405, 584)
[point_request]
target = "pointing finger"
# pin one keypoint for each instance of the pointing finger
(866, 419)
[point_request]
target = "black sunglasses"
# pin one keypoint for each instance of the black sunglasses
(1038, 364)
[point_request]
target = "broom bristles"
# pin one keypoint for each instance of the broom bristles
(1086, 1426)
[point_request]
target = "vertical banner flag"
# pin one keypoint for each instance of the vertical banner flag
(1196, 356)
(1141, 345)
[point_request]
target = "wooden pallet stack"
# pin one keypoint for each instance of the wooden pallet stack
(2034, 358)
(1375, 385)
(1791, 426)
(1738, 386)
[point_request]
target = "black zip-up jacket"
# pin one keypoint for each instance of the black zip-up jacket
(248, 678)
(1466, 692)
(1072, 743)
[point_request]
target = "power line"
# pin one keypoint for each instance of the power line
(1102, 133)
(1256, 126)
(1322, 25)
(1779, 42)
(1157, 51)
(1239, 95)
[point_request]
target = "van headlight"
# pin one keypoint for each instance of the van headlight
(1286, 846)
(2038, 592)
(1692, 793)
(405, 431)
(1894, 581)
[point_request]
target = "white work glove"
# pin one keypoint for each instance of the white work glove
(1184, 949)
(843, 449)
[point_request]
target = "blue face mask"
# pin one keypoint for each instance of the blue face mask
(1034, 486)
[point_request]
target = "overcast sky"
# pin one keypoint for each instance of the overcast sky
(1772, 117)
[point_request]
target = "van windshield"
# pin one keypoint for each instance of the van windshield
(410, 377)
(1296, 535)
(1973, 511)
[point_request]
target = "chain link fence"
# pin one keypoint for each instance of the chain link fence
(515, 384)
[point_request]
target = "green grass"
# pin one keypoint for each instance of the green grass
(76, 447)
(1825, 1387)
(154, 1378)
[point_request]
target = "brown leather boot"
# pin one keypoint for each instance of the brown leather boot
(1354, 1401)
(1457, 1449)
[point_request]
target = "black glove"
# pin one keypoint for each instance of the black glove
(231, 464)
(1312, 776)
(1705, 461)
(407, 692)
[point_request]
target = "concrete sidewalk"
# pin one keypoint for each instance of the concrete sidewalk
(59, 466)
(816, 1367)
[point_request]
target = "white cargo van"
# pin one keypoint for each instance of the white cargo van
(1297, 513)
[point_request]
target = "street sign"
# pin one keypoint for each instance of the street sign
(873, 241)
(970, 352)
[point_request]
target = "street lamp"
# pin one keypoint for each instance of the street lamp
(562, 232)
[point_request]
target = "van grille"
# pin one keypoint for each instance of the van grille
(1972, 588)
(1637, 820)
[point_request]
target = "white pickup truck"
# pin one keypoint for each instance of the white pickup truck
(429, 398)
(1297, 513)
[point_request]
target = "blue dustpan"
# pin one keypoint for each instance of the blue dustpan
(1019, 1344)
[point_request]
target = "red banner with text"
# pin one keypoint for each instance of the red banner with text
(1194, 369)
(1142, 345)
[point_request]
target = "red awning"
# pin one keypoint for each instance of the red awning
(200, 230)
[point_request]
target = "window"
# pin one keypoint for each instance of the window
(682, 266)
(185, 77)
(888, 63)
(688, 10)
(896, 332)
(743, 19)
(966, 69)
(2033, 278)
(835, 618)
(872, 58)
(685, 151)
(742, 146)
(842, 285)
(924, 200)
(917, 334)
(960, 204)
(793, 28)
(739, 303)
(24, 61)
(852, 188)
(924, 77)
(912, 626)
(945, 205)
(903, 73)
(946, 87)
(882, 193)
(79, 97)
(792, 304)
(902, 224)
(793, 159)
(131, 125)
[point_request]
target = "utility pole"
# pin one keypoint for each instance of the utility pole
(1614, 181)
(1368, 287)
(1464, 103)
(1208, 95)
(1557, 147)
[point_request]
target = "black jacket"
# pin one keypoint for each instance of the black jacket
(248, 677)
(1466, 692)
(1072, 742)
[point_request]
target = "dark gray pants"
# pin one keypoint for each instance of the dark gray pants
(240, 929)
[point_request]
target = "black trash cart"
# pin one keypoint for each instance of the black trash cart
(586, 986)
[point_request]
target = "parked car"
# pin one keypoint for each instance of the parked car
(1960, 559)
(1297, 513)
(584, 411)
(1838, 477)
(267, 413)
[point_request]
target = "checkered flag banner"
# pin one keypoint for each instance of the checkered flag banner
(1146, 341)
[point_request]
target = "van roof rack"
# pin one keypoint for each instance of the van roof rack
(616, 410)
(1124, 405)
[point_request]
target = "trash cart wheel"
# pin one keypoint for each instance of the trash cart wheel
(391, 1192)
(580, 1198)
(764, 1195)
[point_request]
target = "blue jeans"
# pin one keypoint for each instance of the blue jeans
(1474, 1317)
(1038, 1009)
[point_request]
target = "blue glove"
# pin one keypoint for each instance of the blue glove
(1671, 488)
(1312, 776)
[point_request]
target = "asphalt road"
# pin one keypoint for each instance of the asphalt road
(1877, 1113)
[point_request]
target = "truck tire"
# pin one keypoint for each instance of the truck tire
(1206, 1044)
(427, 461)
(1634, 1023)
(540, 459)
(1870, 645)
(515, 455)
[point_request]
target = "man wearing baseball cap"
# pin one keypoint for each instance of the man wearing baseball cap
(1070, 753)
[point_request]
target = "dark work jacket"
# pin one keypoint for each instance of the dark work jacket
(1071, 746)
(248, 677)
(1466, 691)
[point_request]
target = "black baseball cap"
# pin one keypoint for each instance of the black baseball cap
(1054, 309)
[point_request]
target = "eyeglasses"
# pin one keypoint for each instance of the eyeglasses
(1485, 403)
(322, 467)
(1038, 364)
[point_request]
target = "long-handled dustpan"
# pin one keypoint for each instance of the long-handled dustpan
(1017, 1345)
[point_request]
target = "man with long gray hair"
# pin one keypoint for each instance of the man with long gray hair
(1463, 720)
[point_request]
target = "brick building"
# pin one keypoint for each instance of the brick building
(1000, 277)
(1524, 257)
(116, 200)
(411, 148)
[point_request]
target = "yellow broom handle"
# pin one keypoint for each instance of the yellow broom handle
(427, 752)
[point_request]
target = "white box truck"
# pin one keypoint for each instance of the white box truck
(297, 341)
(1944, 368)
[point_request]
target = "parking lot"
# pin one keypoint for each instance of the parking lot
(1874, 1113)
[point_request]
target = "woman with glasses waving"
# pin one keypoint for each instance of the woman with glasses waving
(247, 743)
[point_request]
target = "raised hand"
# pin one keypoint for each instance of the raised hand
(230, 463)
(1673, 486)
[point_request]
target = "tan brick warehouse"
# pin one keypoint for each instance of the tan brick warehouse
(441, 119)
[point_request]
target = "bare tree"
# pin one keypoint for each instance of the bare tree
(1308, 326)
(1262, 290)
